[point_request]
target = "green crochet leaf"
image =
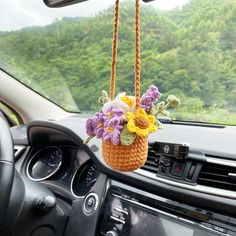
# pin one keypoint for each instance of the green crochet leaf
(157, 108)
(104, 98)
(126, 137)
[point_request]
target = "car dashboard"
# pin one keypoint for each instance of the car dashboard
(166, 196)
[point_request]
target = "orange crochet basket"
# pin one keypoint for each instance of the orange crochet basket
(126, 157)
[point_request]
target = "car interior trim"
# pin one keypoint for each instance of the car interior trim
(18, 149)
(223, 162)
(171, 215)
(198, 187)
(71, 187)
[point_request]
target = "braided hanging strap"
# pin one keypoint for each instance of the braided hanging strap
(114, 51)
(137, 53)
(126, 157)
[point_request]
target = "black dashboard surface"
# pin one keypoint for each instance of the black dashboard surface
(216, 141)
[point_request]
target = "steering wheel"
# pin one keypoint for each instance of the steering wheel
(6, 167)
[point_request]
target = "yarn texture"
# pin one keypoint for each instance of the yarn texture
(126, 158)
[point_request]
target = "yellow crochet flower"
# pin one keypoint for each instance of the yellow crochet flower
(141, 123)
(128, 100)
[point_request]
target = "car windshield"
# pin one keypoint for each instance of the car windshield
(188, 48)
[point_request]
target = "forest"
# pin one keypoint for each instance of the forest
(189, 52)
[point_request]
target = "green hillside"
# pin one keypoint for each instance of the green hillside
(190, 52)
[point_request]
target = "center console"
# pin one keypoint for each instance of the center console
(136, 213)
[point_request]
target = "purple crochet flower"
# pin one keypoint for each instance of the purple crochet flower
(114, 112)
(149, 98)
(112, 131)
(99, 130)
(90, 126)
(94, 125)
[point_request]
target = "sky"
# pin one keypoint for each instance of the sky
(17, 14)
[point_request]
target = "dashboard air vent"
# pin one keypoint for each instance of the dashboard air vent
(218, 176)
(150, 165)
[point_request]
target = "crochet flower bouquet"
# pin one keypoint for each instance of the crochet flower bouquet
(125, 122)
(124, 130)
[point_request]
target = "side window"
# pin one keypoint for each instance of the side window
(10, 115)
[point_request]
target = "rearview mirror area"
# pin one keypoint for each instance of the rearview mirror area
(61, 3)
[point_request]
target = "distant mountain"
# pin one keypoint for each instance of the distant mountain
(190, 52)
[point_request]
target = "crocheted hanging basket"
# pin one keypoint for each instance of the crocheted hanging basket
(124, 122)
(125, 158)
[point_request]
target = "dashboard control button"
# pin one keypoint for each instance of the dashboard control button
(191, 171)
(111, 233)
(178, 169)
(50, 201)
(165, 161)
(44, 203)
(90, 203)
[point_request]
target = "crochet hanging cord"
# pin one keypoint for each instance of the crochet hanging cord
(126, 157)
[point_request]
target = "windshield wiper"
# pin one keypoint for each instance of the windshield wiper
(167, 120)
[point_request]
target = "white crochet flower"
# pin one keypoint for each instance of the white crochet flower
(126, 103)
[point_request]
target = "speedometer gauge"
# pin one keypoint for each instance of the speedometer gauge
(44, 163)
(84, 179)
